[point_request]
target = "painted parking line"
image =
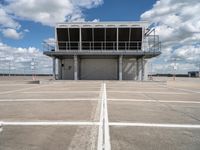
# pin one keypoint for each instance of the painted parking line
(107, 131)
(186, 90)
(21, 90)
(100, 131)
(64, 123)
(47, 123)
(135, 88)
(181, 89)
(155, 101)
(59, 92)
(48, 100)
(190, 126)
(104, 133)
(146, 92)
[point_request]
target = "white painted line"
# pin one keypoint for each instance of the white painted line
(48, 100)
(100, 132)
(135, 88)
(186, 90)
(142, 92)
(47, 123)
(104, 134)
(154, 101)
(9, 84)
(131, 100)
(181, 89)
(60, 92)
(107, 132)
(184, 102)
(23, 89)
(197, 126)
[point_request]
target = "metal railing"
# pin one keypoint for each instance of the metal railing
(146, 45)
(150, 43)
(99, 45)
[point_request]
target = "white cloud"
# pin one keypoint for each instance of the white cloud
(87, 3)
(19, 59)
(96, 20)
(6, 20)
(178, 24)
(50, 12)
(46, 12)
(50, 42)
(12, 33)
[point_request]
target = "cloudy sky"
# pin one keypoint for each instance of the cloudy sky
(24, 24)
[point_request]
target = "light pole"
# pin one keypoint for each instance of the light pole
(9, 63)
(33, 69)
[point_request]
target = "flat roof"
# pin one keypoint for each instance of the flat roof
(102, 24)
(130, 53)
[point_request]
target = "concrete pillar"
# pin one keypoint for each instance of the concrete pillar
(137, 69)
(146, 69)
(54, 67)
(59, 69)
(80, 39)
(143, 68)
(117, 39)
(120, 67)
(75, 67)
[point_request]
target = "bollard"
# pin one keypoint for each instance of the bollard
(1, 126)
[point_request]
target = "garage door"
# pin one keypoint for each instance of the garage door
(99, 69)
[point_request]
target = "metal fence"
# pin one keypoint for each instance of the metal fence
(146, 45)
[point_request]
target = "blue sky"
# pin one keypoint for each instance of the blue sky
(24, 26)
(115, 10)
(110, 10)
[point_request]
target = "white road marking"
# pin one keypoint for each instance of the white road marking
(48, 100)
(9, 84)
(142, 92)
(60, 92)
(104, 134)
(181, 89)
(154, 101)
(135, 88)
(65, 123)
(100, 132)
(47, 123)
(197, 126)
(23, 89)
(131, 100)
(106, 130)
(186, 90)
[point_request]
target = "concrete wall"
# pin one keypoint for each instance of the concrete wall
(103, 69)
(129, 69)
(142, 69)
(67, 69)
(146, 69)
(98, 69)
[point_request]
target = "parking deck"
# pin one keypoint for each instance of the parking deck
(70, 114)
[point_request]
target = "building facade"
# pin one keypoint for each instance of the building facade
(195, 74)
(103, 50)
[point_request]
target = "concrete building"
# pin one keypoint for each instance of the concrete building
(195, 74)
(103, 50)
